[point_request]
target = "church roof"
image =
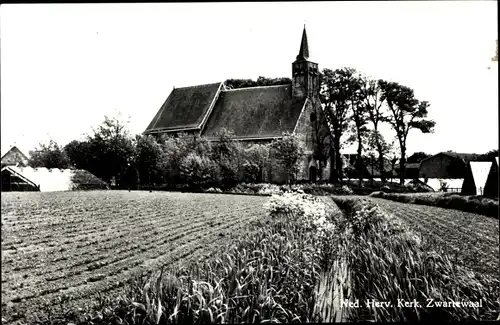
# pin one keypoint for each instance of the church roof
(304, 48)
(185, 108)
(255, 113)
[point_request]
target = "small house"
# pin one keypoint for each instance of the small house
(14, 157)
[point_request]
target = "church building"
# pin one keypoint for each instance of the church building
(255, 114)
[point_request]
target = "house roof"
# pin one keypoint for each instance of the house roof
(185, 108)
(255, 113)
(14, 156)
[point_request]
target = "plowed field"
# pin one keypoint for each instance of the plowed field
(471, 238)
(75, 244)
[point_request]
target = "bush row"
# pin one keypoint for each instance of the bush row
(264, 189)
(389, 262)
(474, 204)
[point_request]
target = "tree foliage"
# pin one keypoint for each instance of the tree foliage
(107, 153)
(287, 152)
(405, 113)
(335, 96)
(227, 152)
(48, 155)
(256, 161)
(417, 157)
(371, 96)
(148, 159)
(261, 81)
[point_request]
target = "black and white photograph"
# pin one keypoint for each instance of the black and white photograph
(249, 162)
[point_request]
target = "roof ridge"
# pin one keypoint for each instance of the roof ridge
(202, 85)
(246, 88)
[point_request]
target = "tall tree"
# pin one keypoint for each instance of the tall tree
(227, 152)
(112, 147)
(354, 96)
(372, 96)
(378, 147)
(48, 155)
(321, 136)
(147, 159)
(334, 97)
(406, 113)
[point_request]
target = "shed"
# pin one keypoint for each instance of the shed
(475, 178)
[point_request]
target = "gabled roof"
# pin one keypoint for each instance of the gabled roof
(185, 108)
(255, 113)
(14, 156)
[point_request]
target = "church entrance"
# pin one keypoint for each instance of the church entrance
(312, 174)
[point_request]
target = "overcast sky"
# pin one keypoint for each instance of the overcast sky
(64, 66)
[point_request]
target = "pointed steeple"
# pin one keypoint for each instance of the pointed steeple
(304, 48)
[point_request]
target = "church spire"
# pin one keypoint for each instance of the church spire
(304, 48)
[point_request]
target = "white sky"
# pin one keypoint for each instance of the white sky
(63, 66)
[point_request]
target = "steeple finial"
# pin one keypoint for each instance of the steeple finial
(304, 48)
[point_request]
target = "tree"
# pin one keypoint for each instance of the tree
(198, 171)
(261, 81)
(227, 153)
(80, 155)
(110, 151)
(175, 149)
(49, 155)
(489, 156)
(321, 134)
(406, 113)
(287, 151)
(379, 150)
(148, 158)
(417, 157)
(352, 88)
(372, 96)
(256, 160)
(334, 97)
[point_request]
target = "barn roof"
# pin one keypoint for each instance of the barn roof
(465, 156)
(53, 179)
(185, 108)
(14, 156)
(255, 113)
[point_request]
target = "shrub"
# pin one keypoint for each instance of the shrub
(198, 171)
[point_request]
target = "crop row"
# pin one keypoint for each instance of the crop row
(66, 256)
(465, 235)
